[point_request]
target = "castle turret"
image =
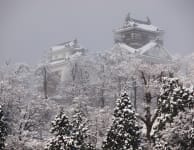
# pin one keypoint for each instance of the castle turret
(60, 54)
(142, 38)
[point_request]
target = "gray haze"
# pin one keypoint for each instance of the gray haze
(30, 27)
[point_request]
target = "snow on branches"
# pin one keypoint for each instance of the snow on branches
(3, 129)
(174, 97)
(124, 132)
(69, 135)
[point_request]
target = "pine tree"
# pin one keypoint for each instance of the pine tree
(180, 133)
(173, 99)
(61, 128)
(69, 135)
(79, 132)
(3, 130)
(124, 133)
(160, 145)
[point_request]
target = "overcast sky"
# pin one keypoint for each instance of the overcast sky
(30, 27)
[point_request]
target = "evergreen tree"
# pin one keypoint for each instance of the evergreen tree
(124, 133)
(174, 98)
(180, 133)
(69, 135)
(160, 145)
(61, 128)
(79, 132)
(3, 130)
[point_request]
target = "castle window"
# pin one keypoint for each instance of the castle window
(135, 36)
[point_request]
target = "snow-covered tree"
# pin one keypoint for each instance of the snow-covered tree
(46, 81)
(28, 116)
(148, 89)
(161, 106)
(160, 145)
(79, 132)
(3, 130)
(180, 133)
(69, 135)
(174, 97)
(79, 75)
(12, 95)
(124, 132)
(61, 128)
(114, 70)
(188, 70)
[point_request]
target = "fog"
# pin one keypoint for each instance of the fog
(28, 28)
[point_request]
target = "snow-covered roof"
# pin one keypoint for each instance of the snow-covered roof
(147, 47)
(156, 51)
(124, 46)
(134, 25)
(58, 47)
(154, 59)
(57, 61)
(69, 44)
(131, 23)
(151, 51)
(141, 50)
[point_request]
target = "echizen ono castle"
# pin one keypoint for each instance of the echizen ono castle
(139, 38)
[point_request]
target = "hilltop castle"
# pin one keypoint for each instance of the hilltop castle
(141, 39)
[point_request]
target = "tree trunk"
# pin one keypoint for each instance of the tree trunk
(45, 83)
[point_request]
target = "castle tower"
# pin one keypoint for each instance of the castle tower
(61, 55)
(142, 39)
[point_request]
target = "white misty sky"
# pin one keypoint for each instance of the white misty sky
(30, 27)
